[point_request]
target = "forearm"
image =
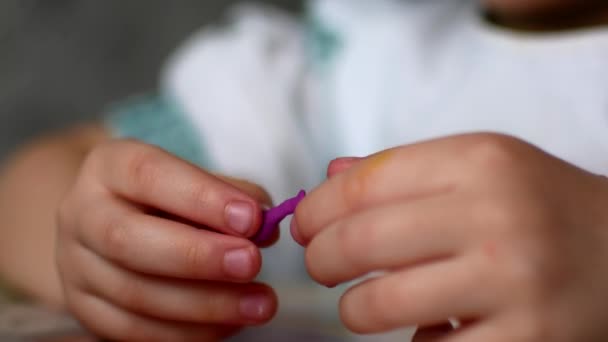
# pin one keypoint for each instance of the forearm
(32, 184)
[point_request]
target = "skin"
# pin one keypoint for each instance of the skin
(483, 227)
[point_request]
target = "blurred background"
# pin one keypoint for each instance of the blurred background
(64, 61)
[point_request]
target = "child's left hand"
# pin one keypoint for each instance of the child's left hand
(483, 228)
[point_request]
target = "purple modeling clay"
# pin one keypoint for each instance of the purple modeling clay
(274, 216)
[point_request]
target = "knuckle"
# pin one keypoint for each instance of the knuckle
(196, 257)
(95, 154)
(354, 188)
(501, 217)
(202, 196)
(98, 155)
(352, 244)
(115, 237)
(142, 167)
(492, 152)
(215, 309)
(523, 274)
(494, 214)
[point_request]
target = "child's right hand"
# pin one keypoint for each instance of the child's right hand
(151, 248)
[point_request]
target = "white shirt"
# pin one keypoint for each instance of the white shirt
(404, 71)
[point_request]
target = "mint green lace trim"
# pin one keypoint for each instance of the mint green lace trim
(323, 43)
(159, 121)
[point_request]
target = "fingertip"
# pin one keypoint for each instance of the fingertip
(339, 165)
(295, 233)
(258, 304)
(300, 221)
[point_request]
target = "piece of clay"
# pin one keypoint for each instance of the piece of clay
(273, 216)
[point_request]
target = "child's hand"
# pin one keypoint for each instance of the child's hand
(151, 248)
(483, 228)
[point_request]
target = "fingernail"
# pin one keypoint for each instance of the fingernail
(238, 263)
(239, 216)
(256, 307)
(295, 233)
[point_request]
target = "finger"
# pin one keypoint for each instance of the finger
(427, 294)
(153, 177)
(387, 237)
(340, 165)
(253, 190)
(409, 172)
(111, 322)
(156, 246)
(433, 333)
(176, 300)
